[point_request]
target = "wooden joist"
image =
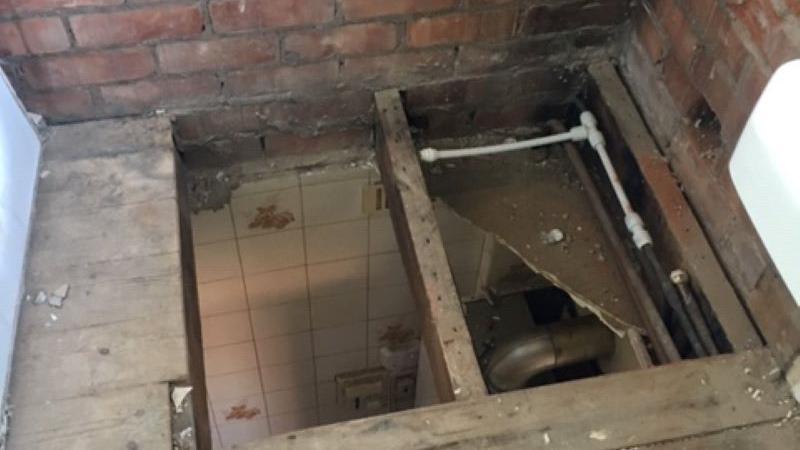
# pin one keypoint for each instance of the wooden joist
(680, 220)
(623, 410)
(455, 367)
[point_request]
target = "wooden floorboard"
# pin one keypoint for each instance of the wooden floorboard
(96, 372)
(623, 410)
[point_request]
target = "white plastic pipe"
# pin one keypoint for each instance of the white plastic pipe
(587, 131)
(576, 134)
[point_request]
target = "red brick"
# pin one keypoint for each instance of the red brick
(680, 87)
(459, 28)
(226, 53)
(347, 40)
(91, 68)
(340, 109)
(11, 42)
(236, 15)
(303, 79)
(283, 144)
(63, 105)
(403, 69)
(44, 35)
(164, 22)
(146, 95)
(46, 5)
(651, 37)
(360, 9)
(756, 16)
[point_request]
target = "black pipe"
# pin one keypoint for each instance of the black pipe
(671, 296)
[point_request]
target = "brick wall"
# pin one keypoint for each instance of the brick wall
(265, 68)
(697, 67)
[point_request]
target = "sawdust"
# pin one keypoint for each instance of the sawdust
(269, 218)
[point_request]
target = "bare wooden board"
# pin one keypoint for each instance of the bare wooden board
(778, 435)
(623, 410)
(703, 265)
(455, 367)
(519, 197)
(95, 373)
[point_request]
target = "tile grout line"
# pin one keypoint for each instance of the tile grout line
(308, 298)
(250, 317)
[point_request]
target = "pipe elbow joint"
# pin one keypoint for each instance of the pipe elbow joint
(429, 154)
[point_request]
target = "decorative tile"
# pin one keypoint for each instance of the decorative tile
(216, 261)
(239, 409)
(224, 329)
(286, 376)
(212, 226)
(272, 251)
(390, 301)
(330, 366)
(292, 400)
(333, 202)
(297, 420)
(379, 327)
(267, 212)
(338, 310)
(341, 339)
(280, 319)
(338, 277)
(230, 359)
(221, 296)
(336, 241)
(284, 349)
(276, 287)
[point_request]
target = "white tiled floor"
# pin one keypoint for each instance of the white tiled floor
(285, 310)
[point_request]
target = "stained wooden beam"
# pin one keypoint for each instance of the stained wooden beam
(623, 410)
(455, 367)
(680, 220)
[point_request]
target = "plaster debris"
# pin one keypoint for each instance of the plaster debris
(179, 394)
(546, 438)
(41, 298)
(57, 297)
(553, 236)
(598, 435)
(44, 174)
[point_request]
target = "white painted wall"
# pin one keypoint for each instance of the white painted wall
(19, 160)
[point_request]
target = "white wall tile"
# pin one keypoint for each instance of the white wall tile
(272, 251)
(390, 301)
(291, 400)
(221, 296)
(336, 241)
(247, 208)
(242, 432)
(269, 182)
(341, 339)
(284, 349)
(338, 310)
(230, 358)
(386, 270)
(297, 420)
(211, 226)
(330, 366)
(338, 277)
(228, 328)
(326, 393)
(286, 376)
(278, 286)
(217, 261)
(381, 233)
(333, 174)
(333, 202)
(464, 255)
(233, 385)
(275, 320)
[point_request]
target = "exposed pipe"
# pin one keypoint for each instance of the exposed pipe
(545, 348)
